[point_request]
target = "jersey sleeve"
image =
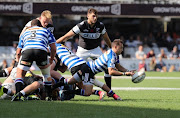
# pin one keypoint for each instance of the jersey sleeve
(103, 28)
(50, 27)
(20, 44)
(28, 24)
(76, 29)
(51, 38)
(111, 61)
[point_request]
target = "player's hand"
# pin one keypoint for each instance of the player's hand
(133, 71)
(51, 61)
(129, 73)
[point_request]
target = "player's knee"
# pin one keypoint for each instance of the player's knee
(36, 84)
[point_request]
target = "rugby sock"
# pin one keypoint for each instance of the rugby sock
(23, 93)
(61, 78)
(111, 93)
(19, 84)
(108, 81)
(59, 84)
(96, 92)
(77, 92)
(48, 90)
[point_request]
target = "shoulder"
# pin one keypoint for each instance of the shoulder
(82, 24)
(28, 24)
(100, 24)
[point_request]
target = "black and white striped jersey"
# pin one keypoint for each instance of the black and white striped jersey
(89, 37)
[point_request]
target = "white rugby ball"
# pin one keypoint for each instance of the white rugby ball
(138, 77)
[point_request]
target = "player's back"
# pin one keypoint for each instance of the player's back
(67, 57)
(36, 38)
(103, 62)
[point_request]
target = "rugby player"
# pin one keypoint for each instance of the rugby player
(90, 32)
(33, 46)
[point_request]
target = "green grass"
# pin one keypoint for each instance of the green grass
(135, 104)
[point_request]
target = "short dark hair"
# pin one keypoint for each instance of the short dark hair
(92, 10)
(117, 42)
(36, 22)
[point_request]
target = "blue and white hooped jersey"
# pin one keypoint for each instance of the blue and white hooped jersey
(36, 38)
(106, 60)
(67, 57)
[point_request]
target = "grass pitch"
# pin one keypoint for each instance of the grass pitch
(136, 103)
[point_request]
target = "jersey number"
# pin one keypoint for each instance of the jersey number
(33, 34)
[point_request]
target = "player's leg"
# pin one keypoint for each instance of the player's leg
(110, 92)
(7, 90)
(19, 85)
(5, 72)
(47, 82)
(107, 79)
(99, 93)
(43, 63)
(30, 88)
(24, 64)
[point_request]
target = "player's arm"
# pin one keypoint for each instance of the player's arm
(121, 68)
(18, 54)
(107, 39)
(52, 52)
(114, 72)
(66, 37)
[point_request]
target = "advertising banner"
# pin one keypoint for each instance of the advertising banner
(81, 9)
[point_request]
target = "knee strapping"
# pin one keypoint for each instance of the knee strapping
(46, 73)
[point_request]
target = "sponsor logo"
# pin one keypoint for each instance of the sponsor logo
(4, 7)
(90, 35)
(28, 8)
(85, 30)
(166, 9)
(85, 8)
(97, 29)
(116, 9)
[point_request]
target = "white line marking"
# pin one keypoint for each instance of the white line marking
(139, 88)
(128, 77)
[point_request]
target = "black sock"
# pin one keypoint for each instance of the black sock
(108, 81)
(59, 84)
(111, 93)
(19, 86)
(77, 92)
(48, 90)
(96, 92)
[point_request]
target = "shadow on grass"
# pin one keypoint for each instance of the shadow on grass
(79, 109)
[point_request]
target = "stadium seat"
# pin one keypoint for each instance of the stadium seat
(129, 52)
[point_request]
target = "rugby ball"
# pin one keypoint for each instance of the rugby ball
(138, 77)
